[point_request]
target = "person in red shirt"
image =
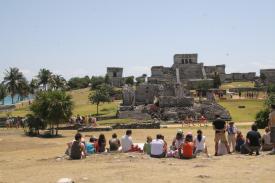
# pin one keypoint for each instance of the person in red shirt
(187, 149)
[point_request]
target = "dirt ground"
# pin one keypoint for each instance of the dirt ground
(32, 159)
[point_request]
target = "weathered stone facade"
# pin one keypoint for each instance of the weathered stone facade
(250, 76)
(269, 75)
(184, 69)
(116, 76)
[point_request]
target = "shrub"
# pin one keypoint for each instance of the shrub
(262, 118)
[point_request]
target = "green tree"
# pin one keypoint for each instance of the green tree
(3, 93)
(107, 79)
(216, 81)
(78, 83)
(263, 77)
(262, 117)
(96, 81)
(23, 89)
(100, 95)
(271, 89)
(55, 107)
(13, 80)
(130, 80)
(34, 124)
(33, 86)
(44, 76)
(57, 82)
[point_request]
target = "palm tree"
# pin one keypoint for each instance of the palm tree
(13, 79)
(23, 89)
(33, 86)
(3, 93)
(57, 82)
(44, 76)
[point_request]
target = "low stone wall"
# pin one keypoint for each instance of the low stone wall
(97, 129)
(71, 127)
(154, 125)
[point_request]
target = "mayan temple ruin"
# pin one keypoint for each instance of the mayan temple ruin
(168, 89)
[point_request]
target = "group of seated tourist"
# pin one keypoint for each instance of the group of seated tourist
(183, 146)
(83, 120)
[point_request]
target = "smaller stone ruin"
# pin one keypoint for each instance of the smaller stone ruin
(167, 102)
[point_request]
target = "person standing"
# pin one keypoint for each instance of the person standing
(231, 130)
(271, 125)
(219, 127)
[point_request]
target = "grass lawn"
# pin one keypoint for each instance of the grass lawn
(237, 85)
(246, 114)
(81, 102)
(84, 107)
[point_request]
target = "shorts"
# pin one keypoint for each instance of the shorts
(220, 137)
(272, 134)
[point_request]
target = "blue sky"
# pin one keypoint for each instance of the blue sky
(83, 37)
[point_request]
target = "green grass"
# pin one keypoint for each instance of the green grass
(237, 85)
(82, 106)
(246, 114)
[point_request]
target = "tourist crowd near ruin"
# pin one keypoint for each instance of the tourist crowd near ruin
(137, 91)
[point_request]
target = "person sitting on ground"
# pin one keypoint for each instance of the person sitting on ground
(165, 144)
(147, 145)
(178, 140)
(187, 148)
(219, 127)
(77, 148)
(90, 146)
(231, 130)
(239, 141)
(114, 143)
(127, 143)
(199, 143)
(271, 125)
(158, 147)
(266, 144)
(253, 139)
(101, 143)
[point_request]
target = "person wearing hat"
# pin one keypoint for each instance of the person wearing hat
(178, 140)
(231, 131)
(271, 125)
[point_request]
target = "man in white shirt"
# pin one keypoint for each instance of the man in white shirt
(157, 147)
(126, 141)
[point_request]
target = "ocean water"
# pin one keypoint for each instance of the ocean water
(7, 99)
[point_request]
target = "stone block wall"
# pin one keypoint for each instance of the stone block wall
(191, 71)
(145, 93)
(199, 83)
(269, 74)
(212, 70)
(116, 76)
(185, 59)
(170, 101)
